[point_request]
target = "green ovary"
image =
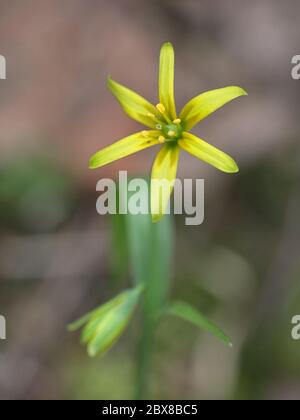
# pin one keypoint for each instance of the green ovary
(172, 132)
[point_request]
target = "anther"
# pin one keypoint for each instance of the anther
(161, 108)
(161, 139)
(145, 133)
(177, 121)
(150, 115)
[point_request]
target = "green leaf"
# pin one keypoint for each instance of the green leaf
(190, 314)
(118, 255)
(150, 254)
(106, 326)
(80, 322)
(150, 247)
(95, 313)
(97, 316)
(205, 104)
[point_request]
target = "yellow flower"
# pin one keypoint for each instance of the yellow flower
(167, 128)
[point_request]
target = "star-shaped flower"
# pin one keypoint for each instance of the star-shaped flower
(168, 129)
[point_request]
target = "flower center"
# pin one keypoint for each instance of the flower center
(171, 132)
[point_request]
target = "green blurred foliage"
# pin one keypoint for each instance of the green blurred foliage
(36, 194)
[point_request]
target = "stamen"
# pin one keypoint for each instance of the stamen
(158, 126)
(154, 118)
(161, 139)
(161, 108)
(145, 133)
(150, 115)
(171, 133)
(177, 121)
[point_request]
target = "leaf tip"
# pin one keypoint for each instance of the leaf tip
(91, 351)
(70, 328)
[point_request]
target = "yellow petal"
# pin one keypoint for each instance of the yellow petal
(162, 179)
(205, 104)
(133, 104)
(207, 153)
(123, 148)
(166, 79)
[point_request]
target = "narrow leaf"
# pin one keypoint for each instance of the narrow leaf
(103, 331)
(191, 314)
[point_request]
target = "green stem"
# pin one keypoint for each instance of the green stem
(145, 352)
(150, 255)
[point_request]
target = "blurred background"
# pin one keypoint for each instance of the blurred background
(241, 267)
